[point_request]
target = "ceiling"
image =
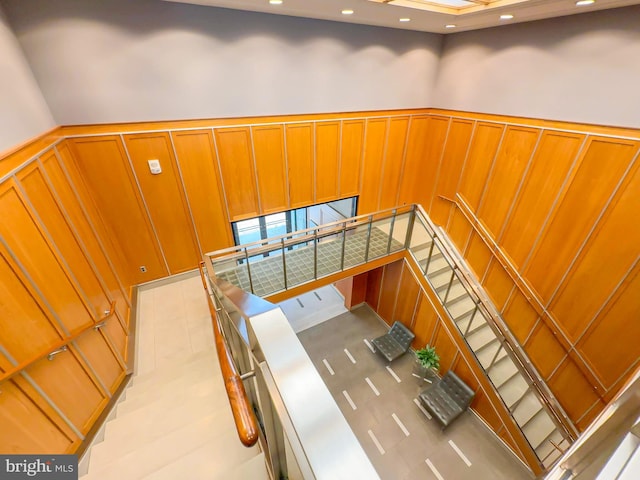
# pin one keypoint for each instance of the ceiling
(423, 15)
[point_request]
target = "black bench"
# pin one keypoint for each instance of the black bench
(447, 398)
(395, 343)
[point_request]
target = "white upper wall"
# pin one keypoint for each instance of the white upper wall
(23, 110)
(582, 68)
(103, 61)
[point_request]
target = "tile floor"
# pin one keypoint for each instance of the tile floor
(267, 275)
(400, 440)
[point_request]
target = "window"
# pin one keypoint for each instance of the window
(267, 226)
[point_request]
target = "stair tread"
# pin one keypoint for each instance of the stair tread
(177, 369)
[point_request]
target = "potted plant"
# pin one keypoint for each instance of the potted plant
(428, 362)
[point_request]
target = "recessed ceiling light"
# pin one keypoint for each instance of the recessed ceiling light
(450, 25)
(582, 3)
(347, 11)
(405, 19)
(275, 2)
(507, 16)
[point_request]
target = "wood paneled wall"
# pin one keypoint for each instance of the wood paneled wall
(397, 294)
(544, 214)
(62, 283)
(542, 211)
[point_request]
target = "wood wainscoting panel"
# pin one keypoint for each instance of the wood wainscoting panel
(544, 350)
(375, 141)
(610, 345)
(549, 169)
(202, 186)
(327, 161)
(238, 173)
(300, 164)
(453, 159)
(511, 164)
(393, 162)
(117, 336)
(445, 346)
(99, 354)
(482, 151)
(459, 230)
(603, 163)
(478, 256)
(374, 284)
(26, 429)
(62, 237)
(76, 214)
(271, 169)
(573, 390)
(110, 244)
(34, 332)
(165, 200)
(351, 154)
(412, 180)
(425, 145)
(78, 397)
(520, 316)
(407, 300)
(604, 262)
(36, 255)
(426, 320)
(103, 166)
(498, 284)
(389, 290)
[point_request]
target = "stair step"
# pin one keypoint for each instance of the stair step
(156, 412)
(539, 429)
(514, 390)
(440, 278)
(197, 372)
(171, 395)
(455, 292)
(476, 322)
(179, 368)
(438, 263)
(153, 455)
(154, 423)
(118, 446)
(213, 461)
(481, 338)
(499, 382)
(527, 409)
(461, 307)
(547, 452)
(486, 354)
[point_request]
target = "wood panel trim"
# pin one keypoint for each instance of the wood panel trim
(499, 256)
(525, 450)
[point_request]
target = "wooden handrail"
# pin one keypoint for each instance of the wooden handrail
(243, 416)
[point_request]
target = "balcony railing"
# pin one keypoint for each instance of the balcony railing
(277, 264)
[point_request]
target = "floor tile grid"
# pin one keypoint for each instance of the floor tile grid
(267, 274)
(380, 420)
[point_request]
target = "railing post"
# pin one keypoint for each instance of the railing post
(446, 295)
(344, 239)
(366, 248)
(315, 254)
(412, 221)
(473, 315)
(246, 259)
(393, 221)
(284, 265)
(426, 267)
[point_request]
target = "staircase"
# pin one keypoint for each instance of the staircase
(174, 420)
(522, 401)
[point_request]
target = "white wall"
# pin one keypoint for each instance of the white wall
(122, 60)
(23, 110)
(582, 68)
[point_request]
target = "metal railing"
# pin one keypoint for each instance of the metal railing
(280, 263)
(262, 348)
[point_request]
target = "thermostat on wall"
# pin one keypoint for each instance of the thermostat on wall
(154, 166)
